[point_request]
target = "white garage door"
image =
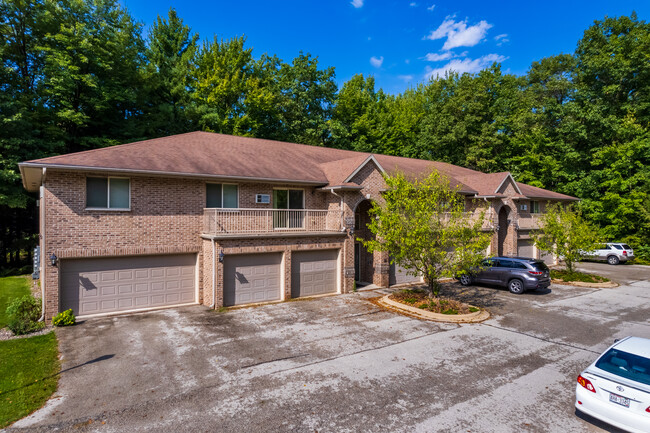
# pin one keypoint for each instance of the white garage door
(526, 248)
(398, 275)
(313, 273)
(251, 278)
(108, 285)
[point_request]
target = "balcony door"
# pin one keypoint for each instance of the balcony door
(289, 205)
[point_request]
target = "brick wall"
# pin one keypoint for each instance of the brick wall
(260, 245)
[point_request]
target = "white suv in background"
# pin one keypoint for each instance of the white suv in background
(612, 252)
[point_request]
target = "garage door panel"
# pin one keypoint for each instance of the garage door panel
(314, 272)
(399, 275)
(525, 248)
(252, 278)
(92, 286)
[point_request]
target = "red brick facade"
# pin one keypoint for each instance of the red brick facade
(166, 217)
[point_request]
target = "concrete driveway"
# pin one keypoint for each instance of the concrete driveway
(341, 364)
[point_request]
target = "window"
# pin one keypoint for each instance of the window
(534, 207)
(293, 200)
(506, 263)
(108, 193)
(221, 195)
(626, 365)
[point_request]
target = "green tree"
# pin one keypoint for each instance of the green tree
(92, 73)
(565, 234)
(171, 55)
(424, 227)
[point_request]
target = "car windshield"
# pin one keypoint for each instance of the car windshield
(627, 365)
(626, 246)
(540, 266)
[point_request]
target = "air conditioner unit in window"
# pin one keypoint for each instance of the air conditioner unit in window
(263, 198)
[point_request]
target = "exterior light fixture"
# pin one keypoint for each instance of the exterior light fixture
(53, 259)
(221, 256)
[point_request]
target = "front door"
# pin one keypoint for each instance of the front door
(289, 205)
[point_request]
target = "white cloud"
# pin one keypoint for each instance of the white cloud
(465, 65)
(458, 34)
(405, 77)
(501, 39)
(431, 8)
(435, 57)
(413, 4)
(357, 3)
(407, 61)
(377, 61)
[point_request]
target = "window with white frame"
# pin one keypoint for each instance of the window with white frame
(534, 207)
(221, 195)
(108, 193)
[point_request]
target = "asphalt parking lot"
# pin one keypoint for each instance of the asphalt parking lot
(342, 364)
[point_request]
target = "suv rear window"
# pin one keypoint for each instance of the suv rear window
(539, 266)
(626, 246)
(627, 365)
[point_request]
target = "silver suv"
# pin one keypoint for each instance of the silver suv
(612, 252)
(518, 274)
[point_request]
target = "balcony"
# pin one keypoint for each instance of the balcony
(235, 222)
(530, 222)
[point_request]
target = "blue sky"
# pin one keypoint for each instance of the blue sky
(401, 43)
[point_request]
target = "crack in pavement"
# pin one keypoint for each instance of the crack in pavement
(541, 339)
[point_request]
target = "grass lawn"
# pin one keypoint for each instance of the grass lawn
(10, 289)
(567, 276)
(29, 370)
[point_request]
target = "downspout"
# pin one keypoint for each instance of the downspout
(41, 262)
(214, 276)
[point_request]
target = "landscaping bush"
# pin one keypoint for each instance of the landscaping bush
(64, 318)
(23, 314)
(559, 274)
(642, 254)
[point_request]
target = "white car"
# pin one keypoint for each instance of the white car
(616, 387)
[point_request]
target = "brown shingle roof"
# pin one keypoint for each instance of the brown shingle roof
(227, 156)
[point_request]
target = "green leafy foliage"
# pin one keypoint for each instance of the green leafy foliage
(79, 74)
(64, 318)
(423, 225)
(23, 314)
(564, 233)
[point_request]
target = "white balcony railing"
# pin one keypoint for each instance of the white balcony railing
(242, 221)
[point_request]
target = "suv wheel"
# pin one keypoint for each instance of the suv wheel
(613, 260)
(516, 286)
(465, 280)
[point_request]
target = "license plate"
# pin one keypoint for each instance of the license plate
(619, 400)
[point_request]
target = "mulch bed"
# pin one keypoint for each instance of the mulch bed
(420, 299)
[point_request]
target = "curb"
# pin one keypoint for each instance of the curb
(476, 317)
(607, 285)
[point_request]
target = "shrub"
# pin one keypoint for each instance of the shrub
(64, 318)
(23, 314)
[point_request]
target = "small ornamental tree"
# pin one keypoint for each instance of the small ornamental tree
(425, 229)
(565, 234)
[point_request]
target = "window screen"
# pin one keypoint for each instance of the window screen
(118, 193)
(97, 192)
(107, 193)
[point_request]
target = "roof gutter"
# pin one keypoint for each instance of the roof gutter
(165, 173)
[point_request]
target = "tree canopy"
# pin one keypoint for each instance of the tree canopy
(81, 74)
